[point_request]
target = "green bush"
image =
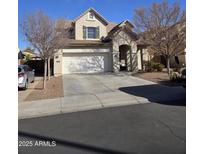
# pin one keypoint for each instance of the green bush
(152, 66)
(159, 67)
(149, 66)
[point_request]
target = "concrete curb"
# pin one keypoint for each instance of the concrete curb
(78, 103)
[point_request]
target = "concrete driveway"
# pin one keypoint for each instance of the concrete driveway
(119, 87)
(94, 91)
(82, 84)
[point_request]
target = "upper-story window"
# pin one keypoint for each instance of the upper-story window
(90, 32)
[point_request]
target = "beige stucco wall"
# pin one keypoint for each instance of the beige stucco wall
(84, 21)
(146, 55)
(139, 60)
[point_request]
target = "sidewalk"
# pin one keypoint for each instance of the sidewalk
(126, 96)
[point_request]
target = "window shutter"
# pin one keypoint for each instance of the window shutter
(97, 32)
(84, 32)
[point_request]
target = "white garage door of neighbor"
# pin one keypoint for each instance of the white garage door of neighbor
(85, 63)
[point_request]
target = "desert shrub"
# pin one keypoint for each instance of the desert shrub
(175, 76)
(183, 71)
(177, 69)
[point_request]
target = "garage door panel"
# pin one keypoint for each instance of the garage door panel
(85, 63)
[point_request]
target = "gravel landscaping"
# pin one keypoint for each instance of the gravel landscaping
(23, 94)
(54, 89)
(158, 77)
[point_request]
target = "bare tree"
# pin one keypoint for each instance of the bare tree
(39, 31)
(163, 27)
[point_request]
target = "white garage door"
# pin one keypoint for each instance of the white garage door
(86, 63)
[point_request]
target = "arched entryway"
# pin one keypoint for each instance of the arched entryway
(124, 55)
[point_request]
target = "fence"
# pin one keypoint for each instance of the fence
(38, 65)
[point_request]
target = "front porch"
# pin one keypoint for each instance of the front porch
(126, 57)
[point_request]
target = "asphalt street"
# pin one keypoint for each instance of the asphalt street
(153, 128)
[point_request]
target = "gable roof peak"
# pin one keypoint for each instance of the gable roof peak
(91, 8)
(126, 22)
(98, 14)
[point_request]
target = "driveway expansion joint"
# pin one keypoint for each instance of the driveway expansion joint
(104, 85)
(98, 99)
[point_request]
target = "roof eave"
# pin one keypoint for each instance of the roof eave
(87, 45)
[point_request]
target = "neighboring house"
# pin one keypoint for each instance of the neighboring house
(23, 56)
(34, 60)
(177, 61)
(20, 57)
(91, 44)
(31, 54)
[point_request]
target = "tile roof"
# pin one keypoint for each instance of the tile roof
(63, 24)
(110, 26)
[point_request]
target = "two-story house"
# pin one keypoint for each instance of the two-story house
(93, 45)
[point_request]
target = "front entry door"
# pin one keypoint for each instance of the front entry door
(123, 61)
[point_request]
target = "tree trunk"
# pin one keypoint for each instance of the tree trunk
(49, 68)
(168, 65)
(45, 74)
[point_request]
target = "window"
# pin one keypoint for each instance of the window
(91, 32)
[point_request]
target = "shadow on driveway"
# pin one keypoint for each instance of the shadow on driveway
(158, 93)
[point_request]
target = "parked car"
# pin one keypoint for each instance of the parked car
(25, 76)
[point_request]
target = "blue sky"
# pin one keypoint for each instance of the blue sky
(112, 10)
